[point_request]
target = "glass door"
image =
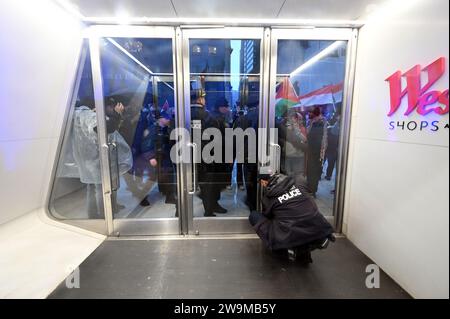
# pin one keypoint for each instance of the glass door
(135, 91)
(310, 72)
(224, 103)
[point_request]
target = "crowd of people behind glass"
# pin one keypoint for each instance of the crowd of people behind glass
(308, 138)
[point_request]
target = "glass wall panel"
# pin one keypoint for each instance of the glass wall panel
(77, 191)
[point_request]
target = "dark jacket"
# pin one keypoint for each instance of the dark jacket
(210, 173)
(222, 171)
(249, 120)
(291, 217)
(152, 141)
(333, 139)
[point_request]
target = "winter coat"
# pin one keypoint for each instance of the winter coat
(318, 138)
(291, 217)
(244, 122)
(210, 173)
(151, 141)
(81, 156)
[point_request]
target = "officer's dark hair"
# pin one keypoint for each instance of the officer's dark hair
(110, 101)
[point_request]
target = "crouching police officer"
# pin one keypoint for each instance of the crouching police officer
(290, 220)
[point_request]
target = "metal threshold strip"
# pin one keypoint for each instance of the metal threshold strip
(184, 237)
(192, 237)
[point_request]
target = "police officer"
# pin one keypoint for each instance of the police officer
(143, 150)
(221, 115)
(158, 155)
(202, 120)
(291, 220)
(239, 122)
(250, 169)
(317, 145)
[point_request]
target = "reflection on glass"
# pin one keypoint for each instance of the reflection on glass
(139, 106)
(140, 113)
(77, 191)
(225, 90)
(310, 77)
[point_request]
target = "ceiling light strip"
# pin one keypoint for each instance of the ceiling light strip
(227, 21)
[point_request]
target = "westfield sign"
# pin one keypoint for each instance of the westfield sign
(420, 97)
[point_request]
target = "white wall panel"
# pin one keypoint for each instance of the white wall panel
(23, 165)
(399, 212)
(397, 208)
(40, 45)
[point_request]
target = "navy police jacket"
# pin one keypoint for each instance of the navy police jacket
(290, 217)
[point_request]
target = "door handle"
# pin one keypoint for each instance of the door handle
(277, 157)
(113, 154)
(194, 171)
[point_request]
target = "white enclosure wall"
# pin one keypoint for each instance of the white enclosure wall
(39, 48)
(397, 207)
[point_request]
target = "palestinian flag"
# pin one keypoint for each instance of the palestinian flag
(330, 94)
(286, 97)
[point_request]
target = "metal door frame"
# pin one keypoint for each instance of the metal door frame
(335, 34)
(219, 225)
(134, 227)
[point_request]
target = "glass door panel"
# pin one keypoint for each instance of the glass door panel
(308, 82)
(140, 114)
(223, 93)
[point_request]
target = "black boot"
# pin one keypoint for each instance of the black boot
(219, 209)
(144, 202)
(170, 199)
(209, 214)
(304, 257)
(320, 244)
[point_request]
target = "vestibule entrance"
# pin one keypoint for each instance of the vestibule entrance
(139, 87)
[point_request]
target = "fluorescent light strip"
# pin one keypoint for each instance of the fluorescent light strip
(225, 21)
(117, 45)
(318, 57)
